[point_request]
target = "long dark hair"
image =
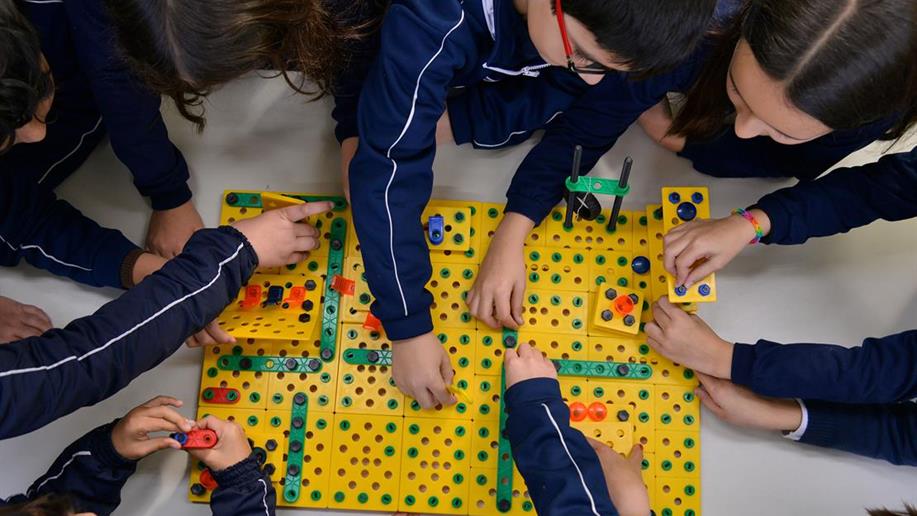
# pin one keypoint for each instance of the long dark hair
(24, 83)
(187, 48)
(846, 63)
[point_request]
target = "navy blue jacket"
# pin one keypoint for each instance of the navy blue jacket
(93, 85)
(92, 473)
(96, 356)
(845, 199)
(856, 399)
(426, 49)
(561, 470)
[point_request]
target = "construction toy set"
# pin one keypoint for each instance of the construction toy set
(310, 377)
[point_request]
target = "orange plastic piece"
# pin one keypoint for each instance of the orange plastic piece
(206, 480)
(297, 295)
(597, 411)
(252, 296)
(624, 305)
(372, 323)
(577, 411)
(343, 285)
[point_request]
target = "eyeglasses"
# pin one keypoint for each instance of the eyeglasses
(594, 68)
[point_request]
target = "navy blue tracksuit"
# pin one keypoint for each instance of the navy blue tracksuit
(561, 470)
(47, 377)
(91, 473)
(427, 48)
(855, 399)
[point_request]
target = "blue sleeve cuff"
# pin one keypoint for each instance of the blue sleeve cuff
(409, 327)
(115, 248)
(102, 448)
(743, 363)
(780, 219)
(241, 473)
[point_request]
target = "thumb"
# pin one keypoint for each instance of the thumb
(706, 400)
(303, 211)
(635, 458)
(700, 272)
(516, 303)
(151, 446)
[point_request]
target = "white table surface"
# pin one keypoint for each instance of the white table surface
(259, 136)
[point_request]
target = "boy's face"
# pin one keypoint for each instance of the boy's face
(545, 34)
(35, 130)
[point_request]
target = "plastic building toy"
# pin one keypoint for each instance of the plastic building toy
(435, 229)
(618, 309)
(272, 201)
(595, 185)
(310, 379)
(680, 205)
(200, 438)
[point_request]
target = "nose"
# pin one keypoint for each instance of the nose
(747, 126)
(32, 132)
(591, 79)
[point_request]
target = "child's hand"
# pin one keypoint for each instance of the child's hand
(211, 334)
(277, 235)
(625, 483)
(231, 448)
(739, 406)
(131, 434)
(524, 363)
(497, 294)
(713, 242)
(656, 122)
(20, 321)
(422, 370)
(686, 339)
(170, 229)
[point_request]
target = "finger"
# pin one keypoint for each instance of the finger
(504, 313)
(653, 333)
(296, 257)
(525, 350)
(708, 401)
(486, 310)
(709, 383)
(158, 424)
(635, 457)
(510, 355)
(306, 230)
(212, 422)
(667, 308)
(516, 303)
(24, 332)
(441, 394)
(161, 400)
(38, 318)
(203, 338)
(169, 414)
(446, 370)
(660, 316)
(425, 398)
(700, 272)
(219, 334)
(154, 445)
(192, 342)
(686, 259)
(305, 243)
(471, 301)
(302, 211)
(672, 248)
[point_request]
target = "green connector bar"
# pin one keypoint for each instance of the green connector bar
(592, 369)
(510, 338)
(358, 356)
(504, 457)
(266, 364)
(333, 297)
(253, 200)
(598, 186)
(293, 478)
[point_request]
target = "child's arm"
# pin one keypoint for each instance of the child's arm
(53, 235)
(92, 471)
(560, 467)
(881, 370)
(243, 488)
(96, 356)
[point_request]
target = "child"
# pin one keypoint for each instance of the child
(96, 356)
(427, 48)
(853, 399)
(773, 57)
(565, 473)
(90, 473)
(54, 64)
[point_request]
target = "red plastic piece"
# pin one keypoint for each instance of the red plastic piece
(224, 395)
(206, 480)
(343, 285)
(372, 323)
(597, 411)
(200, 438)
(624, 305)
(577, 411)
(252, 296)
(297, 295)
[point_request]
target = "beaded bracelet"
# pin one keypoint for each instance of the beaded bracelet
(759, 233)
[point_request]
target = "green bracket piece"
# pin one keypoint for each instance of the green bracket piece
(358, 356)
(333, 297)
(510, 338)
(592, 369)
(504, 456)
(598, 186)
(253, 200)
(293, 478)
(268, 364)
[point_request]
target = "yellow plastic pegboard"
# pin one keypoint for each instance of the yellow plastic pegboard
(492, 215)
(486, 396)
(618, 348)
(459, 344)
(229, 389)
(549, 311)
(676, 496)
(365, 462)
(680, 205)
(355, 307)
(456, 225)
(677, 408)
(435, 466)
(625, 402)
(619, 436)
(449, 286)
(557, 268)
(485, 443)
(678, 454)
(590, 234)
(483, 493)
(274, 306)
(618, 309)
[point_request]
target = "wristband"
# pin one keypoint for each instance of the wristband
(759, 233)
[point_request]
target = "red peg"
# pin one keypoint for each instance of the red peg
(206, 480)
(577, 411)
(597, 411)
(196, 439)
(252, 296)
(372, 323)
(343, 285)
(624, 305)
(297, 295)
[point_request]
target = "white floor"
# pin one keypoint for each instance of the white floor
(838, 289)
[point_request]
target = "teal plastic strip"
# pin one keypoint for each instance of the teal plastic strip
(296, 447)
(590, 369)
(598, 186)
(504, 458)
(253, 200)
(358, 356)
(269, 364)
(331, 308)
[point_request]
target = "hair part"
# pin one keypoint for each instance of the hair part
(847, 64)
(24, 80)
(185, 49)
(648, 37)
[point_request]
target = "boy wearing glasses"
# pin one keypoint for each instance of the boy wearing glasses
(555, 48)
